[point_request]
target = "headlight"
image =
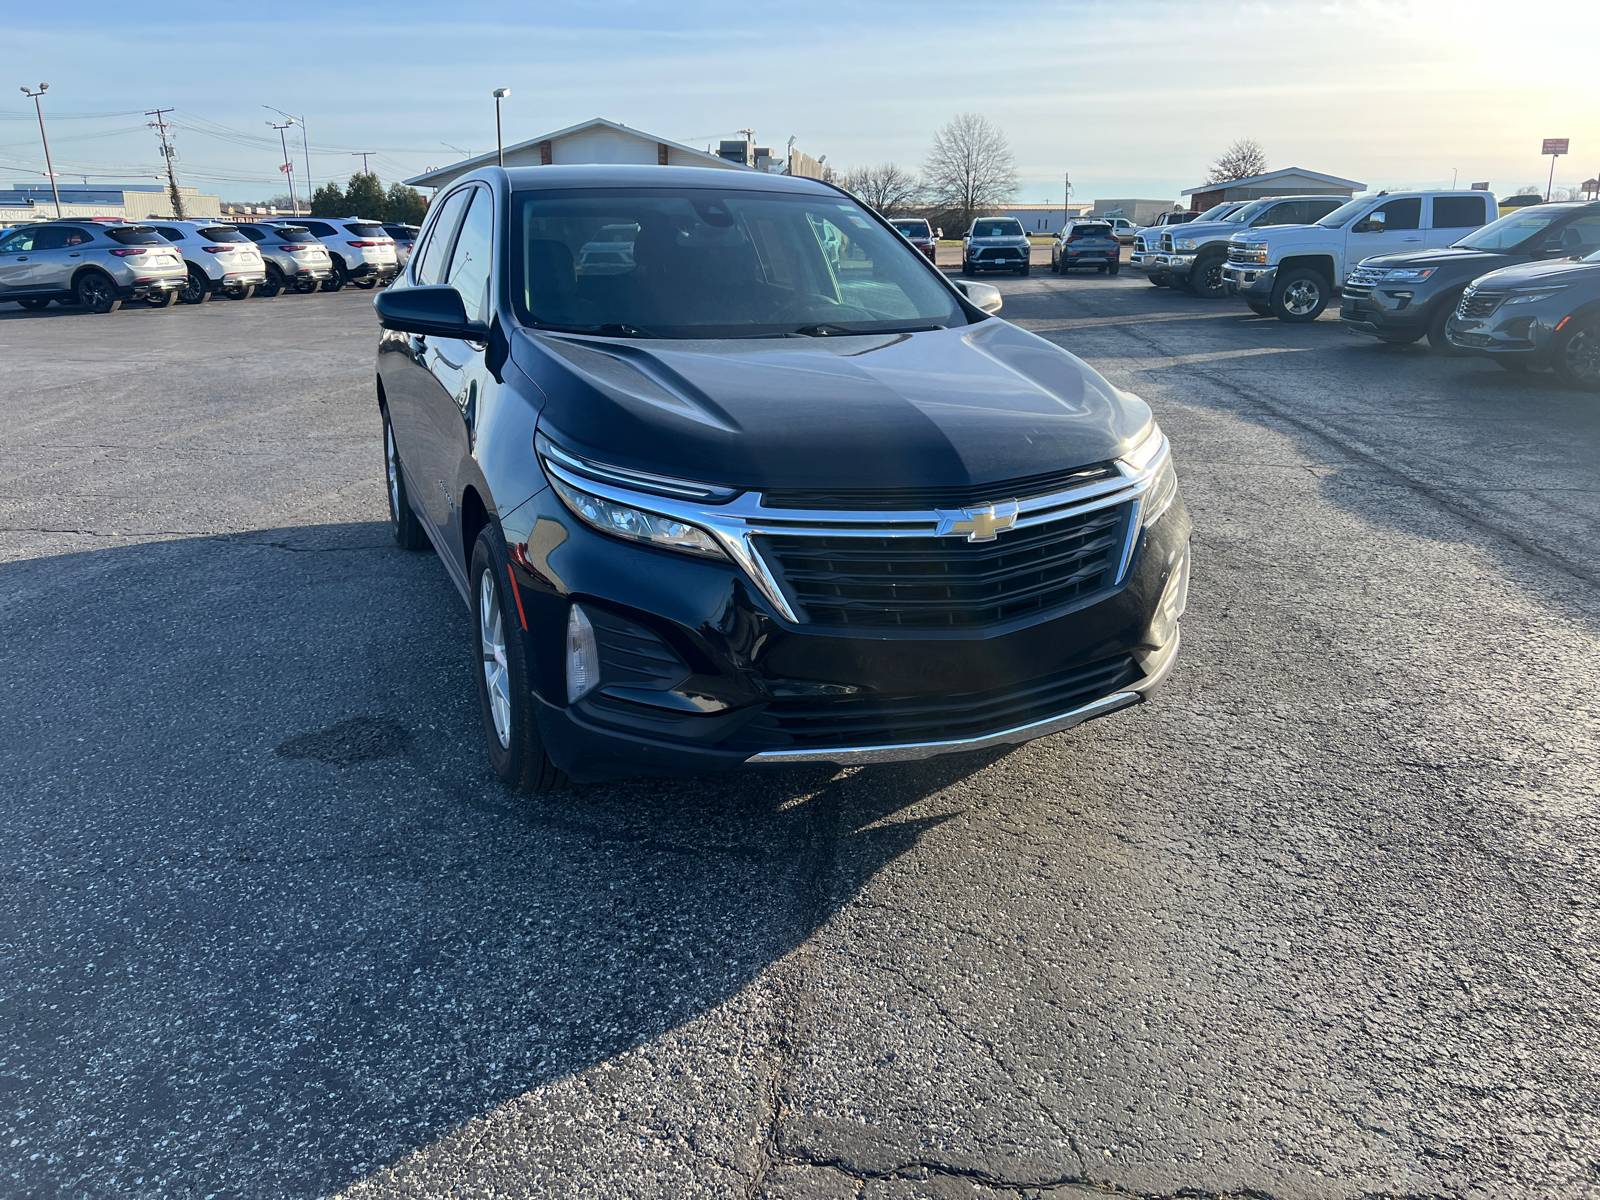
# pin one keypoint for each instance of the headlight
(1183, 244)
(1408, 274)
(1533, 297)
(636, 525)
(1152, 456)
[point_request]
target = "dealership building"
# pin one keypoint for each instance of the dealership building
(25, 202)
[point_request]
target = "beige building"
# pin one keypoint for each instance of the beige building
(32, 202)
(594, 141)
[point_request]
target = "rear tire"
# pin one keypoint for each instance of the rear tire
(34, 305)
(338, 279)
(365, 285)
(196, 288)
(1299, 296)
(1113, 268)
(274, 284)
(500, 656)
(245, 292)
(1575, 356)
(96, 293)
(403, 522)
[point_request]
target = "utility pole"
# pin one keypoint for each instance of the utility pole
(168, 152)
(288, 166)
(48, 168)
(363, 155)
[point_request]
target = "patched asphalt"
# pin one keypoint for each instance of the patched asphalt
(1316, 923)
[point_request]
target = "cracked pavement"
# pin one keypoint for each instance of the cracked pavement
(1316, 924)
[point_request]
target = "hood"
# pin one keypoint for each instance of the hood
(1478, 261)
(1199, 229)
(1560, 270)
(1010, 239)
(971, 405)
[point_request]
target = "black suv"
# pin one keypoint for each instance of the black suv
(1400, 297)
(1539, 314)
(767, 489)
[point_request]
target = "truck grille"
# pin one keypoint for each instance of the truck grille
(1236, 255)
(1166, 243)
(948, 582)
(891, 720)
(1478, 304)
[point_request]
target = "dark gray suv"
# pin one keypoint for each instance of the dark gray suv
(95, 266)
(1540, 314)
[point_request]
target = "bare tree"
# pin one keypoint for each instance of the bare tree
(970, 167)
(1242, 160)
(886, 187)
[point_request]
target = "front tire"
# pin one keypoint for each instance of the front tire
(1300, 296)
(34, 305)
(1157, 280)
(1575, 356)
(404, 524)
(966, 269)
(1438, 342)
(1206, 277)
(1259, 308)
(96, 293)
(196, 288)
(499, 645)
(274, 285)
(1023, 270)
(338, 279)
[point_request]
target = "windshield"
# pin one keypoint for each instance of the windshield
(996, 229)
(1215, 213)
(1509, 231)
(1345, 212)
(217, 233)
(913, 228)
(1250, 211)
(709, 263)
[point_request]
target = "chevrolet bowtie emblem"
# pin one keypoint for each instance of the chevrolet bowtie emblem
(979, 524)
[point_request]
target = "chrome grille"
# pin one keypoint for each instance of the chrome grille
(950, 583)
(1360, 282)
(1166, 243)
(1236, 255)
(866, 500)
(1478, 304)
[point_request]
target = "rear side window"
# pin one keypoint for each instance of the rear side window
(220, 233)
(428, 261)
(469, 264)
(1401, 214)
(362, 230)
(1578, 238)
(53, 237)
(136, 237)
(321, 229)
(1457, 212)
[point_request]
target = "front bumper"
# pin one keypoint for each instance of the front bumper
(1004, 258)
(1176, 266)
(1249, 281)
(1382, 315)
(1519, 334)
(758, 690)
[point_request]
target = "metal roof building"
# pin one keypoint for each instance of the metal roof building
(1290, 181)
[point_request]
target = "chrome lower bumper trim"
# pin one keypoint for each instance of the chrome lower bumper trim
(849, 756)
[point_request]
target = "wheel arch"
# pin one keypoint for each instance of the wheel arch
(474, 516)
(1322, 264)
(92, 269)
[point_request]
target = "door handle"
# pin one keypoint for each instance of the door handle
(74, 254)
(24, 258)
(1415, 239)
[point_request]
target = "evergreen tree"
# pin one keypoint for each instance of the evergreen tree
(404, 205)
(328, 201)
(364, 197)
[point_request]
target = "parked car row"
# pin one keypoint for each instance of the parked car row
(98, 265)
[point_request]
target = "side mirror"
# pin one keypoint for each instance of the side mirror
(982, 295)
(433, 311)
(938, 233)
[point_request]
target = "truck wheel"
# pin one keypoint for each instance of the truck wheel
(1576, 356)
(1181, 283)
(1260, 309)
(1300, 296)
(1205, 279)
(1157, 280)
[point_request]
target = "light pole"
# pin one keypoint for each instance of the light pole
(499, 145)
(305, 144)
(48, 168)
(288, 167)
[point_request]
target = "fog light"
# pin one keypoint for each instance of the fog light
(583, 656)
(1174, 600)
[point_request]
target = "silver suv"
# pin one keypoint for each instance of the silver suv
(362, 251)
(292, 257)
(217, 257)
(95, 265)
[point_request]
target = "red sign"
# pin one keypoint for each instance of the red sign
(1555, 146)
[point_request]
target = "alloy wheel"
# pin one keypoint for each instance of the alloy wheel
(1301, 297)
(1583, 355)
(95, 293)
(492, 639)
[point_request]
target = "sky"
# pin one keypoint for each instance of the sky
(1133, 99)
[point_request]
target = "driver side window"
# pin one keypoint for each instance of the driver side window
(1398, 214)
(17, 242)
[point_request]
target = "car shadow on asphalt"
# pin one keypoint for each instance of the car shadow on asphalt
(281, 924)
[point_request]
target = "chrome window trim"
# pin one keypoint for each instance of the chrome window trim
(737, 523)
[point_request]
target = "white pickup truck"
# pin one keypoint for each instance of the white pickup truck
(1292, 271)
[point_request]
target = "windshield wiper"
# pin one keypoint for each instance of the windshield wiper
(608, 330)
(826, 330)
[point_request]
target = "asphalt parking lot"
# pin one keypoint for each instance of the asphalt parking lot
(1318, 923)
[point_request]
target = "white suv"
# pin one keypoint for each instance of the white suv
(362, 251)
(218, 258)
(1292, 271)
